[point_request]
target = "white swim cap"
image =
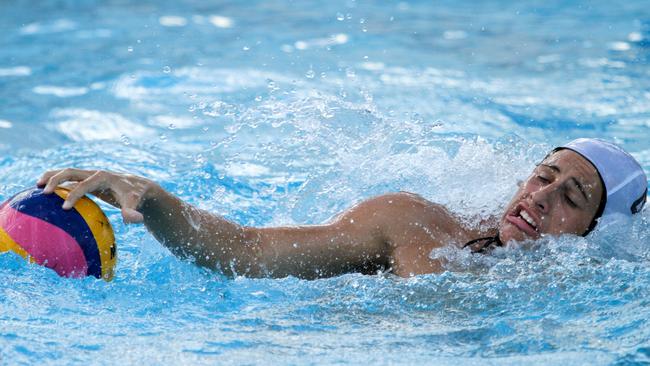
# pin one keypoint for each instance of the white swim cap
(625, 183)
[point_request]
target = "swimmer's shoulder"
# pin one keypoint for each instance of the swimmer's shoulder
(410, 206)
(413, 209)
(396, 210)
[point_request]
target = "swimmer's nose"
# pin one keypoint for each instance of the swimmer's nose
(542, 206)
(541, 198)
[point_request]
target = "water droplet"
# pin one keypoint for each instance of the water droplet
(258, 98)
(272, 85)
(125, 140)
(129, 49)
(163, 137)
(310, 73)
(295, 245)
(349, 72)
(246, 48)
(340, 17)
(167, 69)
(171, 126)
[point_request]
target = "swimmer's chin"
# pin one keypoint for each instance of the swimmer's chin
(510, 234)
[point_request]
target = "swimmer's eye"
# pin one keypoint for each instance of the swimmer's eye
(543, 179)
(570, 201)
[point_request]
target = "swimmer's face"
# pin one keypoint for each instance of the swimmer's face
(560, 197)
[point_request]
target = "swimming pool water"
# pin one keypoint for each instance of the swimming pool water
(275, 113)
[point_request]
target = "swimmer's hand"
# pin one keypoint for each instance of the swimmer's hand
(124, 191)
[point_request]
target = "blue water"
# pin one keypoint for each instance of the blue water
(275, 113)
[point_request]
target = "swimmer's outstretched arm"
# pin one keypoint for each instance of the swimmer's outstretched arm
(362, 238)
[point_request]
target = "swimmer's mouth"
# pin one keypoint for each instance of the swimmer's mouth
(525, 220)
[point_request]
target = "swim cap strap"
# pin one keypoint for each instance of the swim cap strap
(637, 206)
(489, 241)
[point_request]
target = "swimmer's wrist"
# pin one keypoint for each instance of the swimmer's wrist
(156, 201)
(152, 193)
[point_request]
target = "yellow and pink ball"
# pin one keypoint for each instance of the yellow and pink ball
(75, 243)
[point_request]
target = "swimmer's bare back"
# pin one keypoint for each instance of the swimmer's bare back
(393, 232)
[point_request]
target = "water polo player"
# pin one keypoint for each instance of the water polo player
(577, 186)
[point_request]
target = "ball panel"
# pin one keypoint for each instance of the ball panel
(49, 245)
(47, 207)
(8, 244)
(101, 229)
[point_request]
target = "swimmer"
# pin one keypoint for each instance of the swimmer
(576, 187)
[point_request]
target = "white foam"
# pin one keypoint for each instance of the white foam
(172, 21)
(246, 170)
(59, 25)
(31, 28)
(94, 33)
(635, 37)
(97, 85)
(430, 76)
(5, 124)
(88, 125)
(172, 122)
(619, 46)
(16, 71)
(600, 62)
(340, 38)
(454, 34)
(194, 80)
(220, 21)
(60, 91)
(547, 59)
(373, 66)
(332, 40)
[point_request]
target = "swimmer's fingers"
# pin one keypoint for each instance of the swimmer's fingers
(53, 178)
(94, 182)
(104, 195)
(129, 202)
(42, 181)
(48, 175)
(120, 190)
